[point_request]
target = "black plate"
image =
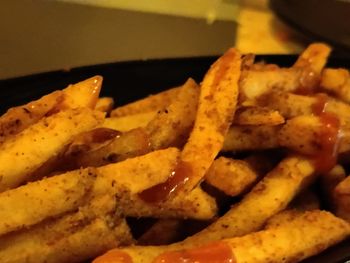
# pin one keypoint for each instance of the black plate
(127, 81)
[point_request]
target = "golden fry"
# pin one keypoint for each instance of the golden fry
(336, 82)
(342, 199)
(129, 122)
(257, 116)
(104, 104)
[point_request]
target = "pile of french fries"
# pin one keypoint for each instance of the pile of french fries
(235, 169)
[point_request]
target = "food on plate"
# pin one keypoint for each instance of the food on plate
(234, 169)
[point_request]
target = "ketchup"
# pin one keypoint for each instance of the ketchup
(178, 177)
(329, 136)
(218, 252)
(114, 256)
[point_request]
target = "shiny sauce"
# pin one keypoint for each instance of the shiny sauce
(160, 192)
(329, 136)
(218, 252)
(114, 256)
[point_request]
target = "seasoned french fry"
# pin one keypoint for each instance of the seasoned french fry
(129, 144)
(336, 82)
(63, 240)
(233, 177)
(66, 192)
(257, 116)
(273, 245)
(171, 126)
(314, 57)
(35, 145)
(342, 199)
(104, 104)
(152, 103)
(82, 94)
(129, 122)
(271, 195)
(242, 138)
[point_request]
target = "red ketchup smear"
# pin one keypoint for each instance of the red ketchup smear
(114, 256)
(162, 191)
(218, 252)
(329, 136)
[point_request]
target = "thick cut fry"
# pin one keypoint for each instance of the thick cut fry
(129, 122)
(196, 205)
(233, 177)
(80, 186)
(64, 240)
(152, 103)
(271, 195)
(171, 126)
(217, 104)
(336, 82)
(342, 199)
(105, 104)
(82, 94)
(314, 57)
(18, 118)
(34, 146)
(257, 116)
(287, 243)
(243, 138)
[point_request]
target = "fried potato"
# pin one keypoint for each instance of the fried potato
(314, 57)
(217, 104)
(257, 116)
(129, 122)
(171, 126)
(328, 183)
(105, 104)
(342, 199)
(126, 145)
(336, 82)
(56, 195)
(35, 145)
(64, 240)
(242, 138)
(82, 94)
(153, 103)
(232, 177)
(271, 195)
(272, 245)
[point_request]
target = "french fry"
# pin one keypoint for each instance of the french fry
(257, 116)
(35, 145)
(314, 57)
(171, 126)
(232, 177)
(105, 104)
(271, 245)
(342, 199)
(56, 195)
(129, 122)
(271, 195)
(126, 145)
(336, 82)
(242, 138)
(217, 104)
(82, 94)
(152, 103)
(63, 240)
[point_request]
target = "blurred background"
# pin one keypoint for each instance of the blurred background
(45, 35)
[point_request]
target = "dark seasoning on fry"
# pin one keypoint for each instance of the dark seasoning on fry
(219, 172)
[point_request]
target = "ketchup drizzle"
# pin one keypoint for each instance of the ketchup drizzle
(178, 177)
(218, 252)
(329, 136)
